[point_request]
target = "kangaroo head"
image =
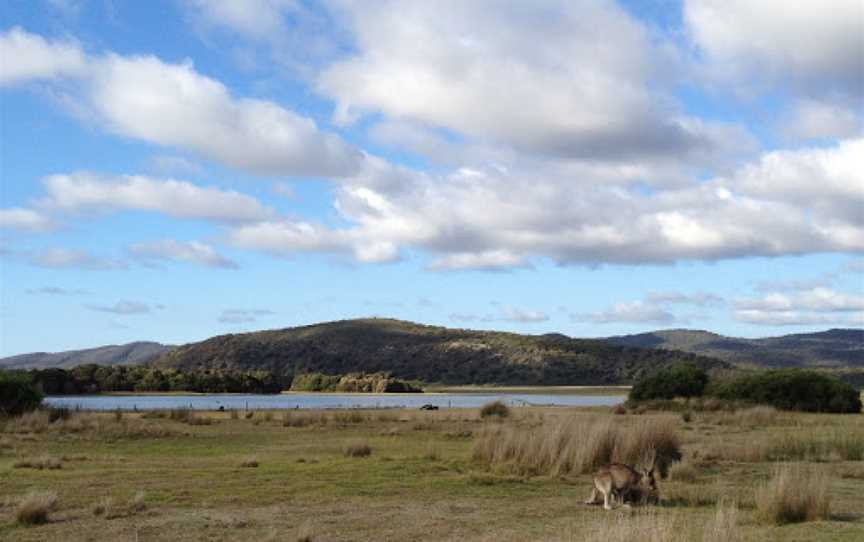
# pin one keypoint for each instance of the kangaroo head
(648, 481)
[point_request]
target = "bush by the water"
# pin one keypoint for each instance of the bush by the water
(496, 408)
(18, 394)
(789, 389)
(352, 383)
(681, 380)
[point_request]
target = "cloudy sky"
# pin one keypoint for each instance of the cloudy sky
(177, 169)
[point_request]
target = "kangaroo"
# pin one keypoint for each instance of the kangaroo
(623, 482)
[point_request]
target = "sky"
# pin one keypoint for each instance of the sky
(177, 169)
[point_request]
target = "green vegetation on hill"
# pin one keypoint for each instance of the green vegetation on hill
(834, 348)
(429, 354)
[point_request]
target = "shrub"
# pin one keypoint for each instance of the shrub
(790, 389)
(18, 393)
(496, 408)
(680, 380)
(250, 462)
(794, 494)
(358, 448)
(44, 462)
(35, 507)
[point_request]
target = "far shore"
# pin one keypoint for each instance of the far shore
(434, 389)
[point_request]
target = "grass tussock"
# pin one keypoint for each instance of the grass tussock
(35, 507)
(109, 508)
(250, 462)
(358, 448)
(794, 494)
(684, 472)
(90, 424)
(758, 416)
(44, 462)
(496, 409)
(577, 444)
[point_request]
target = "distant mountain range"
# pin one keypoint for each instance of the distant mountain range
(835, 348)
(438, 354)
(124, 354)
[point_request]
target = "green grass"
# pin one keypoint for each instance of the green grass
(196, 489)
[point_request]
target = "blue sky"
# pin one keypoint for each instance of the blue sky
(177, 169)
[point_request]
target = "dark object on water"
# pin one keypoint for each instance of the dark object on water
(221, 408)
(427, 406)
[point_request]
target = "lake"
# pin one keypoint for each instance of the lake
(324, 401)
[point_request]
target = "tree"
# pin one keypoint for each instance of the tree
(18, 393)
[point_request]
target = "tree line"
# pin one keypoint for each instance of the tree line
(92, 378)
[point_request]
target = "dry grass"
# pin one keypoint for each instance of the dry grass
(794, 494)
(433, 452)
(93, 425)
(109, 508)
(642, 526)
(40, 463)
(723, 527)
(35, 507)
(683, 472)
(358, 448)
(759, 416)
(577, 444)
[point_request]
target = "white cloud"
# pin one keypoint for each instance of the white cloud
(180, 251)
(503, 314)
(787, 318)
(180, 199)
(174, 165)
(56, 290)
(540, 77)
(817, 300)
(173, 105)
(25, 57)
(816, 48)
(122, 308)
(18, 218)
(811, 119)
(62, 258)
(700, 299)
(253, 18)
(633, 312)
(243, 316)
(789, 202)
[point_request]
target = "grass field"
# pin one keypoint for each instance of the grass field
(308, 476)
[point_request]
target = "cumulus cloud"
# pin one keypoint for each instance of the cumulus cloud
(122, 308)
(243, 316)
(181, 251)
(21, 219)
(700, 299)
(788, 202)
(817, 51)
(812, 119)
(180, 199)
(630, 312)
(27, 57)
(817, 299)
(253, 18)
(808, 307)
(173, 105)
(570, 90)
(502, 314)
(62, 258)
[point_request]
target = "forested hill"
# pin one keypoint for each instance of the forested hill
(427, 353)
(835, 348)
(123, 354)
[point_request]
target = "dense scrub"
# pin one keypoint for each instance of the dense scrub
(785, 389)
(18, 393)
(90, 378)
(352, 383)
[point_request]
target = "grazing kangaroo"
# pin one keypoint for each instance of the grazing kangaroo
(623, 482)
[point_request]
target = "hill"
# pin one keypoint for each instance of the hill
(835, 348)
(124, 354)
(431, 354)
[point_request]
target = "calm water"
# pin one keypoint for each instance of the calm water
(330, 400)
